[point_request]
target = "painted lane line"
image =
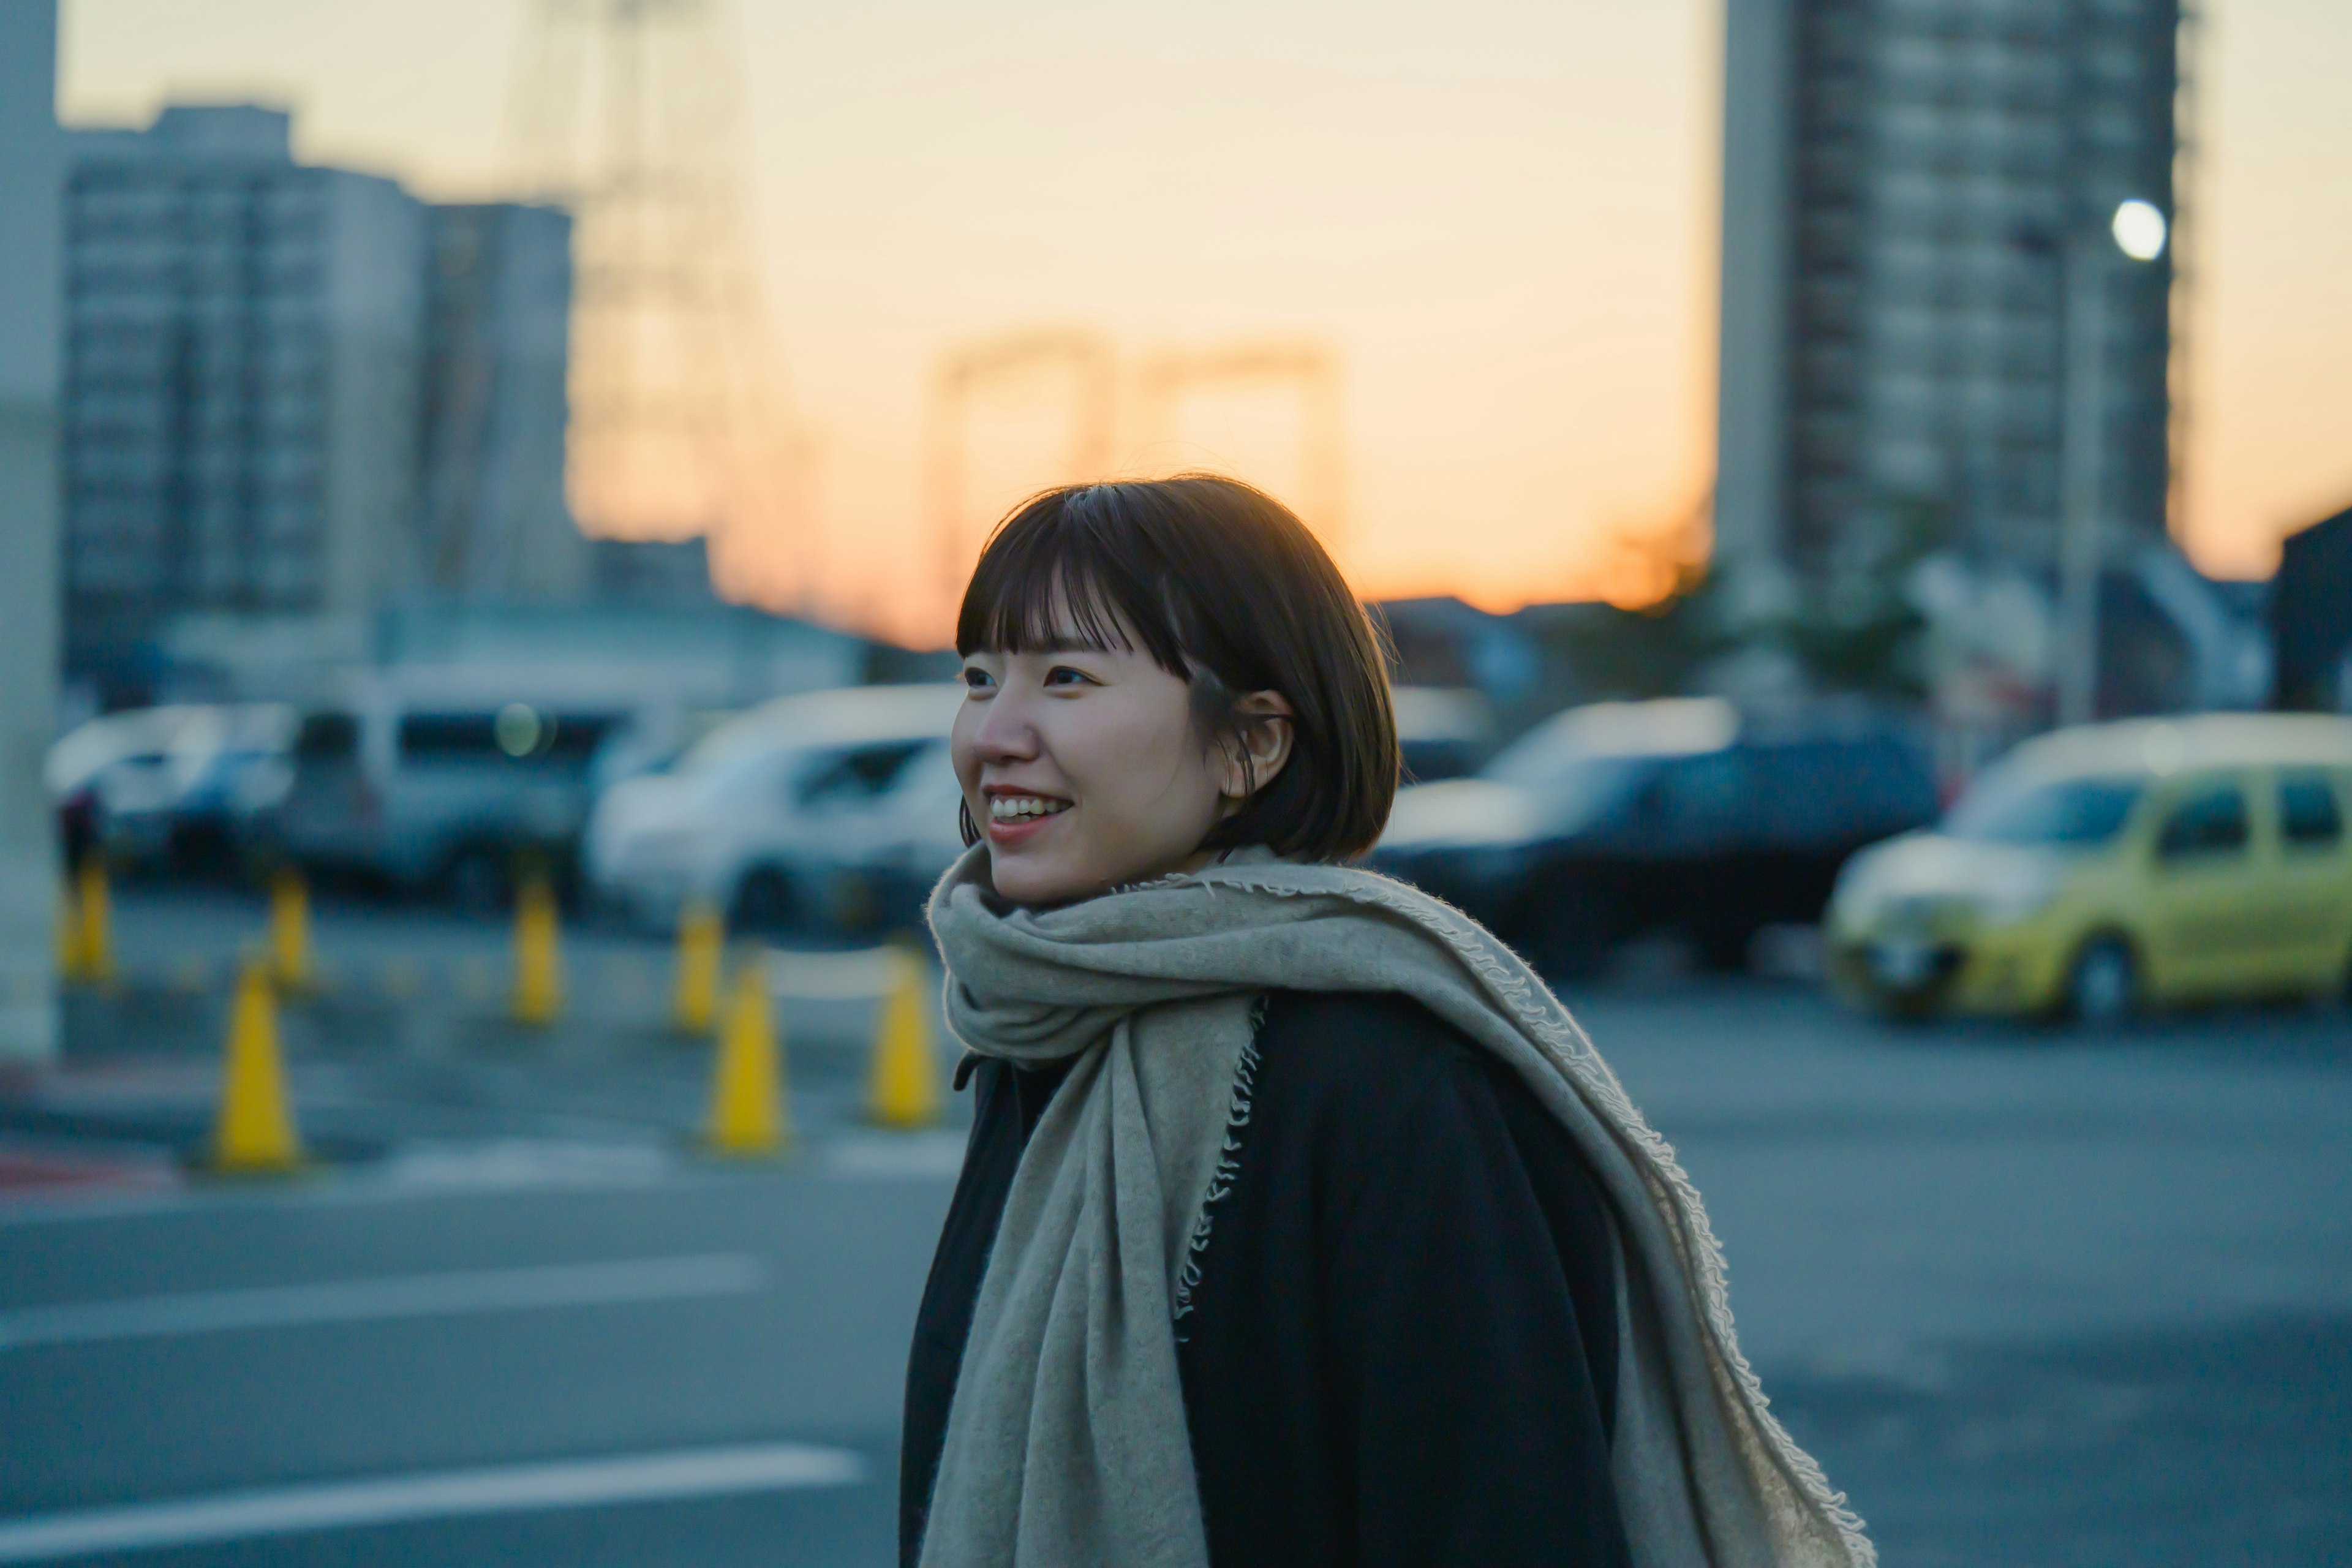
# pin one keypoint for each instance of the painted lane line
(456, 1294)
(864, 974)
(442, 1494)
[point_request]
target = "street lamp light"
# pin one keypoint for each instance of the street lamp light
(2138, 229)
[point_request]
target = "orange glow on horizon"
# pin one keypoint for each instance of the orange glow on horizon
(1502, 226)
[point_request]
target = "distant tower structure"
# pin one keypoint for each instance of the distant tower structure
(1309, 370)
(628, 112)
(970, 374)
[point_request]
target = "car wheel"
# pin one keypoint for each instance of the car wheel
(476, 881)
(764, 900)
(2103, 989)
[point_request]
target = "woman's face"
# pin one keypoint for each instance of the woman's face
(1085, 770)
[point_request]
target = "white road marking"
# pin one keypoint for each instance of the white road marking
(456, 1294)
(857, 975)
(922, 1154)
(442, 1494)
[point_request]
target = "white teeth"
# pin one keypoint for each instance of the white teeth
(1018, 807)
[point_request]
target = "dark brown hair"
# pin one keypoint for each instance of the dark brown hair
(1226, 590)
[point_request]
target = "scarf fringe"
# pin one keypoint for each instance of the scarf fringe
(1221, 1181)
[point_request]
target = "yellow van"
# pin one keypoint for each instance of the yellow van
(2112, 868)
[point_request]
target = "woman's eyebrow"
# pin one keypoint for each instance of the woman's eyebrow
(1065, 642)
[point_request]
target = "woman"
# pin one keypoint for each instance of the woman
(1299, 1225)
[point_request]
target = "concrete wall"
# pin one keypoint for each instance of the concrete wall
(31, 171)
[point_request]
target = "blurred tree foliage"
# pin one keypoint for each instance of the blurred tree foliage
(1611, 652)
(1859, 630)
(1855, 630)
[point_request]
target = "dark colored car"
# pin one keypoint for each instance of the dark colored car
(1684, 816)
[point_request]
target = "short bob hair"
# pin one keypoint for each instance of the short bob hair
(1226, 590)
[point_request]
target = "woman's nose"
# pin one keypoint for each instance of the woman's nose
(1007, 734)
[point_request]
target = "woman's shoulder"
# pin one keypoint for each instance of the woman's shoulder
(1368, 1057)
(1364, 1027)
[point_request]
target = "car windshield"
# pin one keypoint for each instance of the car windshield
(1576, 788)
(725, 747)
(2074, 812)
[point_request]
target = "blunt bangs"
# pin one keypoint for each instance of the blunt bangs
(1225, 589)
(1054, 575)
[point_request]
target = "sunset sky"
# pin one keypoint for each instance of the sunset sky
(1500, 213)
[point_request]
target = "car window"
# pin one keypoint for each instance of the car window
(577, 735)
(1428, 760)
(859, 773)
(517, 732)
(1539, 757)
(2080, 812)
(1884, 785)
(1707, 798)
(1826, 792)
(1590, 793)
(2210, 822)
(326, 737)
(1791, 793)
(448, 737)
(2309, 816)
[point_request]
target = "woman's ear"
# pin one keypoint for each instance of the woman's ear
(1259, 745)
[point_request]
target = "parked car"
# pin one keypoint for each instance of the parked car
(169, 787)
(750, 816)
(2114, 866)
(440, 781)
(1443, 732)
(1683, 814)
(873, 870)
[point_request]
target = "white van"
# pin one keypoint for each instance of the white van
(736, 819)
(443, 779)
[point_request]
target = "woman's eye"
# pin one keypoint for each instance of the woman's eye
(977, 680)
(1063, 675)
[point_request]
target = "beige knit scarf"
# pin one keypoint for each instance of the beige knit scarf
(1066, 1443)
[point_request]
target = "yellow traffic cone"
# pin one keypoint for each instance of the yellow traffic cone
(905, 1088)
(748, 1114)
(538, 970)
(254, 1132)
(97, 921)
(694, 1004)
(70, 932)
(290, 932)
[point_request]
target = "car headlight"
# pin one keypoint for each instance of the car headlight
(1860, 893)
(2015, 894)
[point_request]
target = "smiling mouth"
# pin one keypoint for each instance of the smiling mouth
(1023, 808)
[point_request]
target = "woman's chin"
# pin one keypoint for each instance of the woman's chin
(1034, 883)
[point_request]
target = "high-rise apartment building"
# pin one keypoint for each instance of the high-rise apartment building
(241, 376)
(293, 395)
(1902, 182)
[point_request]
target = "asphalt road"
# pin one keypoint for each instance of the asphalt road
(2032, 1299)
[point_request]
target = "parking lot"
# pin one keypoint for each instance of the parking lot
(2033, 1296)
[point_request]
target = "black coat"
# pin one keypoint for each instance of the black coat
(1402, 1348)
